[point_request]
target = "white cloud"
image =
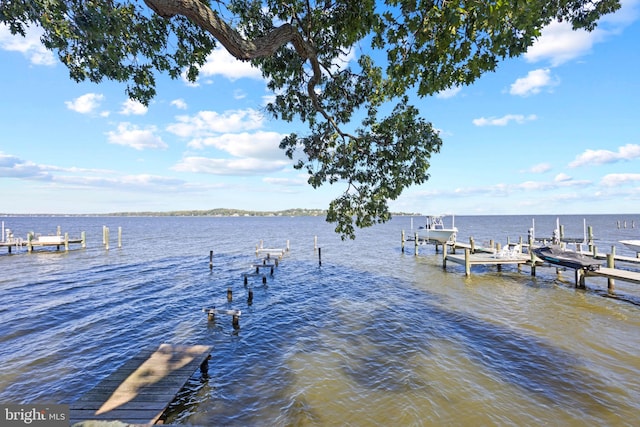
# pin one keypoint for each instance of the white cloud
(342, 61)
(14, 167)
(86, 103)
(599, 157)
(259, 144)
(504, 120)
(131, 136)
(228, 166)
(130, 107)
(287, 182)
(562, 177)
(532, 83)
(615, 179)
(180, 104)
(448, 93)
(559, 43)
(540, 168)
(29, 45)
(208, 123)
(220, 62)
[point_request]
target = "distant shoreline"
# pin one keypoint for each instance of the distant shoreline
(221, 212)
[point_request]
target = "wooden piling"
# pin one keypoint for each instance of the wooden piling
(319, 257)
(444, 258)
(611, 264)
(250, 297)
(467, 262)
(416, 244)
(210, 260)
(229, 295)
(119, 237)
(402, 241)
(533, 260)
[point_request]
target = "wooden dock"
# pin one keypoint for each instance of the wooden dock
(615, 273)
(43, 241)
(470, 259)
(140, 390)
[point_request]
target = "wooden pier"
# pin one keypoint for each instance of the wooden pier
(140, 390)
(470, 259)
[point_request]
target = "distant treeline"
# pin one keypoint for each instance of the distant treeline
(212, 212)
(228, 212)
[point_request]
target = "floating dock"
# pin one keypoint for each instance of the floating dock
(140, 390)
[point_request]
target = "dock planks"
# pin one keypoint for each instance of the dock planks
(615, 273)
(141, 389)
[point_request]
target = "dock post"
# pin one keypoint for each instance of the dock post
(533, 261)
(402, 241)
(472, 244)
(444, 259)
(29, 244)
(315, 242)
(210, 260)
(66, 242)
(319, 258)
(416, 241)
(229, 295)
(211, 315)
(580, 276)
(106, 238)
(235, 321)
(58, 232)
(83, 237)
(119, 237)
(611, 264)
(590, 236)
(467, 262)
(250, 297)
(288, 249)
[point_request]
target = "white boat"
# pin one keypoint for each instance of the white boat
(634, 245)
(434, 231)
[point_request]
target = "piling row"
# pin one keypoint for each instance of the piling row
(270, 261)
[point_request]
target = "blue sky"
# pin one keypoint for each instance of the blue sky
(553, 132)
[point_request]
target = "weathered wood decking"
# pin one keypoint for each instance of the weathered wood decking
(615, 273)
(469, 259)
(141, 389)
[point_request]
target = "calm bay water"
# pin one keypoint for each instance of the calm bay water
(371, 337)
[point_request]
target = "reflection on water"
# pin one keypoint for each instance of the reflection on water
(371, 337)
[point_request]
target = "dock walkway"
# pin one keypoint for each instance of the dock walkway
(141, 389)
(615, 273)
(469, 259)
